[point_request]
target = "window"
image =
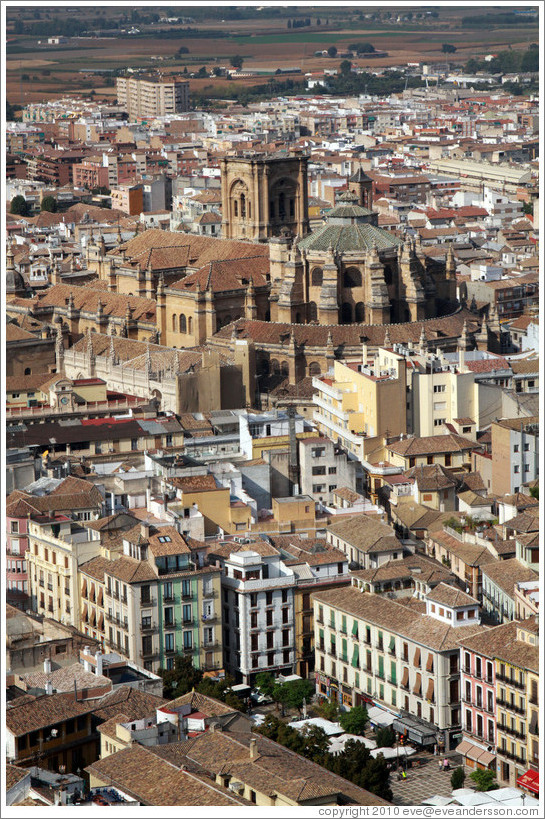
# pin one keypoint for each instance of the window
(14, 526)
(169, 641)
(169, 616)
(145, 595)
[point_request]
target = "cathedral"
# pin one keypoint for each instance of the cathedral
(270, 267)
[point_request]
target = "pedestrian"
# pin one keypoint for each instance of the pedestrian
(440, 765)
(446, 764)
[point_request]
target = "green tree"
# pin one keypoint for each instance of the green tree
(345, 67)
(292, 694)
(332, 51)
(49, 204)
(237, 61)
(202, 71)
(329, 709)
(457, 778)
(385, 737)
(265, 682)
(448, 48)
(19, 206)
(484, 780)
(534, 490)
(318, 22)
(356, 764)
(355, 720)
(183, 50)
(315, 744)
(180, 679)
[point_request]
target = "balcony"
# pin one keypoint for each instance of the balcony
(332, 652)
(170, 624)
(189, 649)
(515, 683)
(510, 706)
(212, 646)
(209, 618)
(151, 629)
(506, 729)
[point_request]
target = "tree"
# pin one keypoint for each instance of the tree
(217, 71)
(484, 780)
(356, 764)
(448, 48)
(315, 744)
(19, 206)
(329, 709)
(183, 50)
(458, 778)
(237, 61)
(385, 738)
(292, 694)
(355, 720)
(345, 67)
(289, 23)
(180, 679)
(49, 204)
(534, 490)
(265, 682)
(318, 22)
(202, 71)
(332, 51)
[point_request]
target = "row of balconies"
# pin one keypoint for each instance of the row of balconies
(510, 706)
(521, 686)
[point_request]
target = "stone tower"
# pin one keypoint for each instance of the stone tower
(264, 196)
(362, 185)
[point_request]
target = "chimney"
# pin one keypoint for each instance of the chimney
(47, 665)
(98, 658)
(49, 687)
(253, 748)
(144, 530)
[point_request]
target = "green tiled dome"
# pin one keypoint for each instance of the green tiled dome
(349, 237)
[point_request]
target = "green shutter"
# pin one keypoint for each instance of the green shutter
(321, 634)
(394, 696)
(381, 667)
(343, 627)
(392, 643)
(332, 620)
(356, 657)
(393, 673)
(357, 676)
(344, 651)
(355, 628)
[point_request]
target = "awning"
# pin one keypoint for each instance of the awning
(530, 781)
(420, 732)
(405, 677)
(463, 747)
(418, 685)
(417, 657)
(475, 752)
(429, 692)
(429, 664)
(378, 716)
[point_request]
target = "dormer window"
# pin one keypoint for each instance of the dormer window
(165, 539)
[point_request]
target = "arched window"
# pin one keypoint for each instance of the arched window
(317, 277)
(271, 209)
(275, 367)
(249, 210)
(242, 206)
(285, 368)
(314, 368)
(352, 277)
(28, 371)
(360, 311)
(346, 313)
(312, 311)
(183, 324)
(235, 205)
(264, 366)
(174, 323)
(282, 206)
(292, 207)
(388, 275)
(190, 325)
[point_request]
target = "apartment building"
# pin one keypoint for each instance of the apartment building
(323, 468)
(371, 650)
(478, 687)
(152, 96)
(515, 453)
(360, 403)
(366, 541)
(441, 394)
(258, 590)
(516, 667)
(57, 546)
(128, 198)
(161, 599)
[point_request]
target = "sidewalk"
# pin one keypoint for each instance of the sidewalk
(420, 784)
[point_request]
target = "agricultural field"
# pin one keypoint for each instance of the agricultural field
(37, 71)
